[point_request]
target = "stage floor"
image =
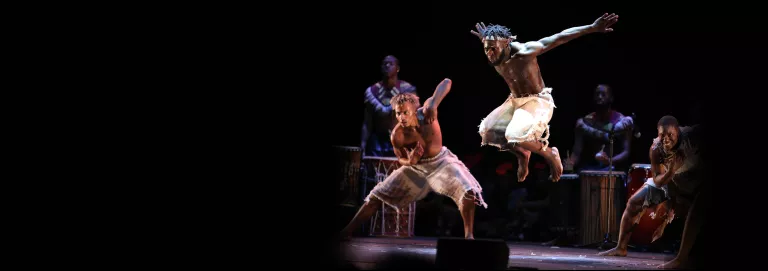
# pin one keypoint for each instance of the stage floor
(365, 253)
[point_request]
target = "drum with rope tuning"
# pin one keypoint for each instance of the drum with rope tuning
(347, 177)
(601, 205)
(386, 221)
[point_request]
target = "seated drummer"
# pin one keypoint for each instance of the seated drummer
(591, 146)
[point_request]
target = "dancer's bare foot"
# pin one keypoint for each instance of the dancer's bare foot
(674, 264)
(614, 252)
(469, 237)
(556, 166)
(522, 165)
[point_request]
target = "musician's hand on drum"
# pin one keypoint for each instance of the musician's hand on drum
(602, 157)
(569, 163)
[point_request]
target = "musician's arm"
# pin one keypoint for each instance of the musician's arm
(587, 130)
(624, 155)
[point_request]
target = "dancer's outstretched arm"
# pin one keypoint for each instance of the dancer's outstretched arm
(430, 105)
(602, 24)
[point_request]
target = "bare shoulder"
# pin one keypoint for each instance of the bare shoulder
(397, 137)
(534, 45)
(407, 87)
(517, 46)
(530, 48)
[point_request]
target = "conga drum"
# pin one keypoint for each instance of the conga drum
(348, 161)
(652, 218)
(638, 173)
(601, 205)
(387, 221)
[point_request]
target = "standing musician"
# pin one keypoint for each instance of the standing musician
(378, 119)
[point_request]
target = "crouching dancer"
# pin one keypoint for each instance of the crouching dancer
(427, 164)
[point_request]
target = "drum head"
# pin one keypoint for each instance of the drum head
(601, 173)
(378, 158)
(348, 148)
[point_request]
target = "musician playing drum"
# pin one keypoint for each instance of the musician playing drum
(427, 164)
(590, 148)
(677, 175)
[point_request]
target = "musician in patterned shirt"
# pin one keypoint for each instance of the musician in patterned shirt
(378, 119)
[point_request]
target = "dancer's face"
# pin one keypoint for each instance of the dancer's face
(496, 50)
(668, 135)
(389, 66)
(406, 114)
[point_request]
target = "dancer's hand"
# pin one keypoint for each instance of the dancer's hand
(419, 150)
(671, 167)
(416, 152)
(480, 29)
(677, 162)
(603, 23)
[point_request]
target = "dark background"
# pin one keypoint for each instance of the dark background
(654, 68)
(696, 62)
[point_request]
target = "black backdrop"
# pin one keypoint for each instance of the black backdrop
(656, 65)
(695, 61)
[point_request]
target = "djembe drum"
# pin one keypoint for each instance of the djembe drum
(638, 174)
(347, 174)
(387, 221)
(601, 205)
